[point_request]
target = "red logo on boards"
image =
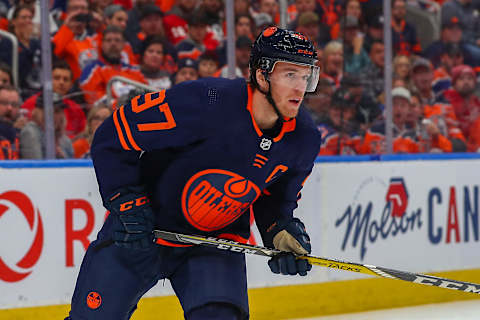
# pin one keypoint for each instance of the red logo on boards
(21, 269)
(94, 300)
(397, 195)
(214, 198)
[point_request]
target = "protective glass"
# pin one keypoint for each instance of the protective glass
(295, 75)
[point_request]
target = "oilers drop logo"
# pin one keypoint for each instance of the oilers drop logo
(214, 198)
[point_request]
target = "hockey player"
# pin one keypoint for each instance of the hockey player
(194, 159)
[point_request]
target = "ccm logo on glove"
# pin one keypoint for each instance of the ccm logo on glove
(129, 204)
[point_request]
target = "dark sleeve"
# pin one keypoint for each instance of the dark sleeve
(280, 199)
(152, 121)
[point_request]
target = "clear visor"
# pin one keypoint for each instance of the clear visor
(295, 75)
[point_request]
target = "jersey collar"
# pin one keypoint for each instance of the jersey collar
(288, 125)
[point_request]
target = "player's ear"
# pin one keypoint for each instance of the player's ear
(262, 82)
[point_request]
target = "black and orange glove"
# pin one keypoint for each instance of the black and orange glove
(134, 218)
(292, 238)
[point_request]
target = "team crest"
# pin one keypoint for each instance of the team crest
(214, 198)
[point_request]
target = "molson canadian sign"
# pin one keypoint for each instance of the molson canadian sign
(415, 215)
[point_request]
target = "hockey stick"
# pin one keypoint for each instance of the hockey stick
(230, 245)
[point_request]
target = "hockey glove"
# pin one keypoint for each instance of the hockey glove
(291, 237)
(134, 218)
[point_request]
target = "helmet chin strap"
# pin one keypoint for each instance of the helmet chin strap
(269, 97)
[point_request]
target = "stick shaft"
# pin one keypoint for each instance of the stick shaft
(224, 244)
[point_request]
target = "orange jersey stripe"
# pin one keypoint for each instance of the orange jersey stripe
(119, 131)
(127, 130)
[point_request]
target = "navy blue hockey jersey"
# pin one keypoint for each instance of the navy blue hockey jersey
(203, 159)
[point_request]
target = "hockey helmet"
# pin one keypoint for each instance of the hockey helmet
(274, 45)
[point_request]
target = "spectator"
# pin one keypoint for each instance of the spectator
(404, 139)
(374, 32)
(62, 82)
(352, 9)
(32, 136)
(299, 7)
(429, 136)
(332, 68)
(9, 105)
(318, 102)
(434, 108)
(192, 46)
(5, 75)
(243, 46)
(35, 5)
(422, 79)
(213, 11)
(134, 17)
(262, 21)
(451, 57)
(71, 42)
(372, 75)
(208, 64)
(404, 35)
(81, 144)
(96, 75)
(187, 70)
(452, 33)
(244, 25)
(29, 51)
(271, 8)
(115, 15)
(309, 25)
(157, 66)
(150, 25)
(241, 7)
(339, 128)
(401, 68)
(175, 21)
(467, 12)
(355, 57)
(466, 104)
(367, 111)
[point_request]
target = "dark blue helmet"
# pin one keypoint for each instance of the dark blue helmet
(275, 44)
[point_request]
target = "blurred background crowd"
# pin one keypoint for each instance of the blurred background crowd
(155, 44)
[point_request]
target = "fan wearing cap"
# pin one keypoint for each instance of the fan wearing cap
(404, 139)
(197, 159)
(451, 57)
(32, 142)
(452, 32)
(192, 45)
(187, 71)
(467, 12)
(466, 104)
(243, 46)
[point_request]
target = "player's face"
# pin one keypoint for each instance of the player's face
(289, 82)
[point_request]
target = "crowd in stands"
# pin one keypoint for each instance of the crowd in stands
(160, 43)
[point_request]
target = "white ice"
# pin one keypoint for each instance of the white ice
(461, 310)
